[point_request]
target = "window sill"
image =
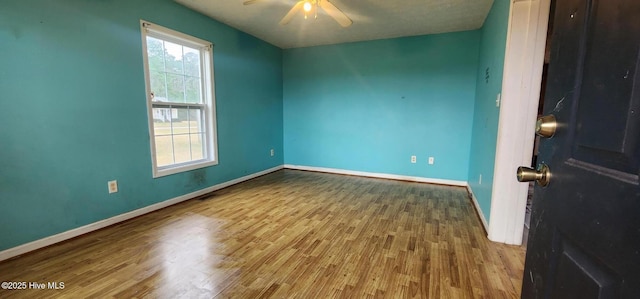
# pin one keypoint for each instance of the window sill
(160, 172)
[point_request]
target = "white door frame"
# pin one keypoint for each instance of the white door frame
(524, 59)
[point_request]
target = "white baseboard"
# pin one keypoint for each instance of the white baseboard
(37, 244)
(478, 210)
(378, 175)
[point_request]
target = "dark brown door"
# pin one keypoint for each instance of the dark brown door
(584, 240)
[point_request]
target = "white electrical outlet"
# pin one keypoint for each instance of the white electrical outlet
(498, 100)
(113, 186)
(431, 159)
(413, 159)
(480, 180)
(272, 152)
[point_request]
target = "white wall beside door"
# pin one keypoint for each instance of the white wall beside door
(524, 58)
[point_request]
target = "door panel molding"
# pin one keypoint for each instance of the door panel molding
(612, 173)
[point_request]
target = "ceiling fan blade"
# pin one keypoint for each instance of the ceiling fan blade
(249, 2)
(336, 13)
(291, 13)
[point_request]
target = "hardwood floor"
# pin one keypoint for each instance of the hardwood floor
(289, 234)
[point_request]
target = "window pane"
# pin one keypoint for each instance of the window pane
(192, 87)
(197, 146)
(175, 88)
(158, 86)
(155, 54)
(164, 150)
(180, 124)
(182, 148)
(162, 118)
(195, 121)
(173, 58)
(191, 60)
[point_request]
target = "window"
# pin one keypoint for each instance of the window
(180, 100)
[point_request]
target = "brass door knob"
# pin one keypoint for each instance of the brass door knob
(546, 126)
(541, 175)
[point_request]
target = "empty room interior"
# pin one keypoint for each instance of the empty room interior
(217, 149)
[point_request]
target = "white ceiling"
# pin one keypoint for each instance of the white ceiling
(372, 19)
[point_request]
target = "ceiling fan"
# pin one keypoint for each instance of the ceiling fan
(311, 7)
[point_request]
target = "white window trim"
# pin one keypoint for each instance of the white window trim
(208, 93)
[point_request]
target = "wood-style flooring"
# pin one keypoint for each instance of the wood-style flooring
(288, 234)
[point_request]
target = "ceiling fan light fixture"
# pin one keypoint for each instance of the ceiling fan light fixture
(307, 6)
(312, 6)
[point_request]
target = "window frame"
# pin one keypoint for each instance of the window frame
(208, 108)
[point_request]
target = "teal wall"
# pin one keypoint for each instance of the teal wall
(485, 116)
(369, 106)
(73, 112)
